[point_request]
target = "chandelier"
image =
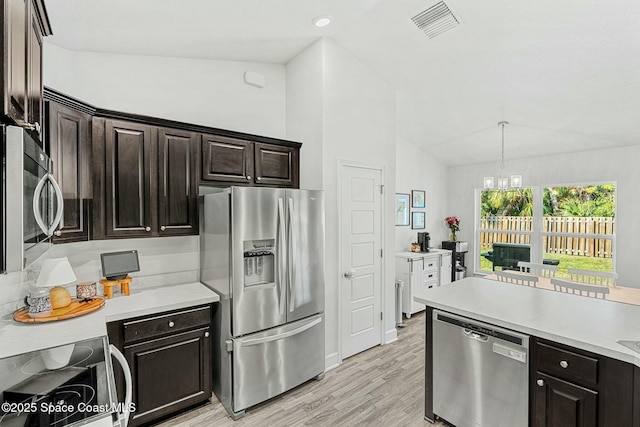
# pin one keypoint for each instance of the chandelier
(504, 183)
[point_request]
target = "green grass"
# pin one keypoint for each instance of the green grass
(566, 262)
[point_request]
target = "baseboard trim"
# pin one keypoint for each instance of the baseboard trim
(331, 361)
(391, 336)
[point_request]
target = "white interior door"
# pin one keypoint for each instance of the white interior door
(361, 258)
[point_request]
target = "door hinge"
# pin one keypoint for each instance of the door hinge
(381, 316)
(229, 344)
(382, 189)
(381, 253)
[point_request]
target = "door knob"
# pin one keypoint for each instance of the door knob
(248, 177)
(147, 229)
(540, 383)
(348, 274)
(162, 228)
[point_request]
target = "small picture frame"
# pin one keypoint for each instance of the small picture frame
(402, 209)
(417, 198)
(417, 220)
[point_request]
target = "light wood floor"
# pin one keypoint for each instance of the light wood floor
(382, 386)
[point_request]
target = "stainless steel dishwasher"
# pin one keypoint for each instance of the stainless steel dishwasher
(480, 373)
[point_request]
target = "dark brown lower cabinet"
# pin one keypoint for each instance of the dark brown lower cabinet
(169, 355)
(561, 403)
(570, 387)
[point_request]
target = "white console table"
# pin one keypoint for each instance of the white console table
(420, 271)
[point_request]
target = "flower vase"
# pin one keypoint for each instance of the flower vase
(453, 237)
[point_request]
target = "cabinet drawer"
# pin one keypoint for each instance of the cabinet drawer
(431, 265)
(567, 365)
(166, 323)
(430, 276)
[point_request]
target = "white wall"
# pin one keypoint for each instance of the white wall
(359, 126)
(417, 170)
(199, 91)
(304, 112)
(619, 165)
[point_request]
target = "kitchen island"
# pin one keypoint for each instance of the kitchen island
(574, 357)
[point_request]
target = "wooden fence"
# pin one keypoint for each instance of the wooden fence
(581, 246)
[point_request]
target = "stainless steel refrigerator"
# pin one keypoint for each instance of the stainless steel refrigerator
(262, 251)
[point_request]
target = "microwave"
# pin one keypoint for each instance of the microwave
(33, 202)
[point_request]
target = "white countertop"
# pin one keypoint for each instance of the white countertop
(415, 255)
(586, 323)
(17, 338)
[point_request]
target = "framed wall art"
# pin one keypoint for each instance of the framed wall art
(417, 220)
(417, 198)
(402, 209)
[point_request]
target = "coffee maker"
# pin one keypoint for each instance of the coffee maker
(423, 241)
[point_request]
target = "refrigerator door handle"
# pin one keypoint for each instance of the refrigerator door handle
(280, 246)
(264, 340)
(292, 250)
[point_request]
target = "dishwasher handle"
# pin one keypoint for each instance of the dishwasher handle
(475, 335)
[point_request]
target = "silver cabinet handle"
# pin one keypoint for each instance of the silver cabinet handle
(258, 178)
(206, 334)
(248, 177)
(147, 229)
(162, 228)
(171, 324)
(540, 383)
(564, 364)
(58, 233)
(348, 275)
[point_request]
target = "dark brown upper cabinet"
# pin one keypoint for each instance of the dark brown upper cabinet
(150, 180)
(177, 182)
(68, 135)
(276, 165)
(227, 160)
(128, 166)
(236, 161)
(25, 23)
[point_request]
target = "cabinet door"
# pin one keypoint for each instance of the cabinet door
(227, 160)
(276, 165)
(16, 31)
(169, 374)
(561, 403)
(70, 147)
(445, 269)
(177, 182)
(129, 198)
(34, 71)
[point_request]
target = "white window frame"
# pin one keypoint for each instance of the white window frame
(537, 234)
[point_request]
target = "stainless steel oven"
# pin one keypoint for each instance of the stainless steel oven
(69, 385)
(33, 199)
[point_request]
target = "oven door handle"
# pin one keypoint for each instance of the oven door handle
(124, 415)
(47, 229)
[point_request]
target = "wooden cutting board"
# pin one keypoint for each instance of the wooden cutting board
(75, 309)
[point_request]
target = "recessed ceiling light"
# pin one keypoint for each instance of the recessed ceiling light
(322, 20)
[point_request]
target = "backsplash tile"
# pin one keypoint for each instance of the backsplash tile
(163, 261)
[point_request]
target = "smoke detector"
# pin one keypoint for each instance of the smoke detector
(436, 20)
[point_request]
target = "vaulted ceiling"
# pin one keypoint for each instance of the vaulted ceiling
(565, 74)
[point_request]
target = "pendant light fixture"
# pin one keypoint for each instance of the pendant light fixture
(504, 183)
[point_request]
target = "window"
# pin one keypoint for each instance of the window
(571, 226)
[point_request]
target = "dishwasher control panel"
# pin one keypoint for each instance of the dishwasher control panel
(520, 356)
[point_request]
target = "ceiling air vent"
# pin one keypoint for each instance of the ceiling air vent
(436, 20)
